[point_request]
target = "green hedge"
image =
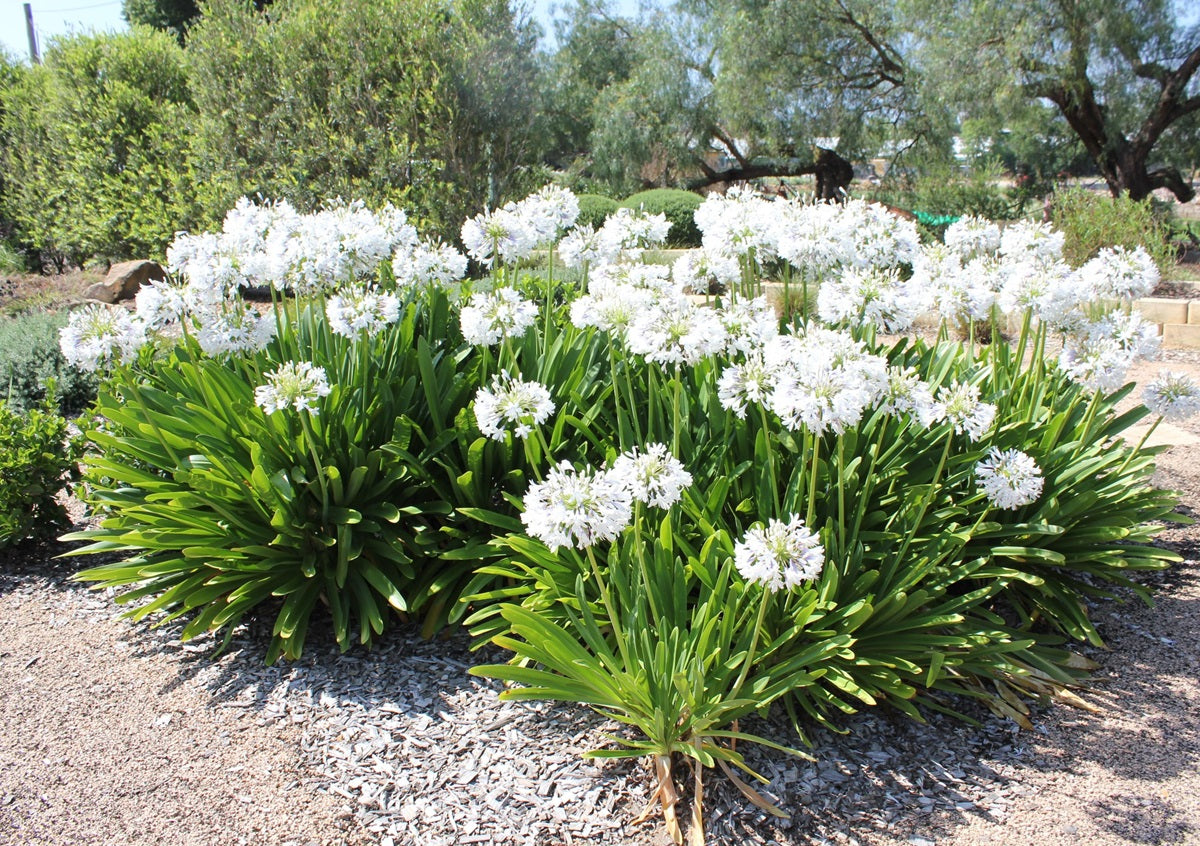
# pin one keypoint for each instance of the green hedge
(594, 209)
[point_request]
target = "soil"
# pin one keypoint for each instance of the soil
(107, 737)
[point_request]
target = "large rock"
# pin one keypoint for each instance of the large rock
(124, 280)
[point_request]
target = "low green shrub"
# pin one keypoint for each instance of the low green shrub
(937, 197)
(30, 359)
(680, 209)
(38, 459)
(594, 209)
(1090, 221)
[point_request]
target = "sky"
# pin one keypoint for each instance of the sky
(63, 17)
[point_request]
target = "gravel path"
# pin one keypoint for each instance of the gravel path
(114, 734)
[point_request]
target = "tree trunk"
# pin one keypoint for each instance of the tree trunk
(833, 173)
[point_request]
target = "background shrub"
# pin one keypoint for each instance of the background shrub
(30, 359)
(97, 148)
(946, 194)
(38, 459)
(679, 207)
(594, 208)
(422, 104)
(1091, 221)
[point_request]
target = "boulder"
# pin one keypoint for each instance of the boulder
(124, 280)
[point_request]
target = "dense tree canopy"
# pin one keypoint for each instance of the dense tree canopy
(1121, 74)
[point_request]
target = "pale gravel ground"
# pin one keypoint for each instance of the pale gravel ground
(113, 735)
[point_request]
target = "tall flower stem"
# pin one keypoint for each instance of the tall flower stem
(613, 619)
(812, 478)
(1141, 443)
(766, 428)
(749, 660)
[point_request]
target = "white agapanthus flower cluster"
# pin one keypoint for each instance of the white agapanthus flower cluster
(489, 317)
(361, 311)
(273, 245)
(749, 324)
(500, 234)
(821, 381)
(1099, 352)
(674, 330)
(1028, 240)
(906, 393)
(611, 309)
(629, 231)
(1009, 478)
(972, 237)
(160, 304)
(737, 224)
(98, 335)
(584, 245)
(516, 229)
(811, 238)
(870, 296)
(1047, 287)
(1173, 395)
(428, 263)
(237, 328)
(299, 385)
(511, 403)
(652, 475)
(577, 508)
(704, 272)
(1118, 273)
(877, 237)
(781, 556)
(962, 408)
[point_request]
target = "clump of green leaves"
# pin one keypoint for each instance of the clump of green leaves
(38, 460)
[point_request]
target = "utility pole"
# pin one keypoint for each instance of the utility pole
(33, 51)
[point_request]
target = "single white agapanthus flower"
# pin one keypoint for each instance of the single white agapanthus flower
(654, 476)
(511, 402)
(750, 382)
(576, 508)
(1009, 478)
(965, 411)
(297, 384)
(96, 335)
(358, 311)
(781, 556)
(488, 318)
(1175, 396)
